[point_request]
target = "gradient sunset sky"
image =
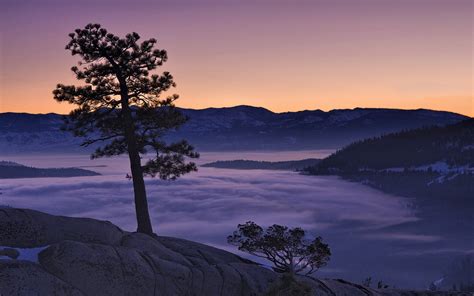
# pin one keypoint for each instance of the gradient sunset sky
(281, 55)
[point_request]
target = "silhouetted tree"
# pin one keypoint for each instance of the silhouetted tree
(119, 104)
(288, 249)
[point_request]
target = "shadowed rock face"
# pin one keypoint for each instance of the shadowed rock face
(91, 257)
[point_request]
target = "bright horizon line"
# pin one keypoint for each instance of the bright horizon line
(276, 112)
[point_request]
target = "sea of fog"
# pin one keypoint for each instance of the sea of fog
(362, 225)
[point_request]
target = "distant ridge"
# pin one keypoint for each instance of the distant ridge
(242, 164)
(13, 170)
(236, 128)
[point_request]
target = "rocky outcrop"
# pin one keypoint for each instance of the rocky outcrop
(91, 257)
(23, 228)
(28, 278)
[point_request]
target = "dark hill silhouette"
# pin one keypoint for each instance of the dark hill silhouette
(12, 170)
(241, 164)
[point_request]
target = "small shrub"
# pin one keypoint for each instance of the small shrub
(288, 249)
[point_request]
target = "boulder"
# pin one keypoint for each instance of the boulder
(99, 269)
(28, 278)
(152, 245)
(91, 257)
(22, 228)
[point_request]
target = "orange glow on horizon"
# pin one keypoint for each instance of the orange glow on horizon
(317, 55)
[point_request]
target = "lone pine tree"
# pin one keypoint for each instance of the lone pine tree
(119, 104)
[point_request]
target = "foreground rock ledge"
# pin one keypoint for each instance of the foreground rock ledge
(91, 257)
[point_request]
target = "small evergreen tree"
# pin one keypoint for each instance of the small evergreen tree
(120, 105)
(288, 249)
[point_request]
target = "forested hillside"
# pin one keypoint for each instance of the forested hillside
(436, 163)
(430, 148)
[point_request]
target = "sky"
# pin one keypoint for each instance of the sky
(281, 55)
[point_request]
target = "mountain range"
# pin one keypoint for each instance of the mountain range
(236, 128)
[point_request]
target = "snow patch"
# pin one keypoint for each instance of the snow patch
(439, 167)
(28, 254)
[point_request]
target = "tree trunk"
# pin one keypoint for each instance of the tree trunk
(291, 267)
(141, 203)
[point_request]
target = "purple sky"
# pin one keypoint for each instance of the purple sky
(282, 55)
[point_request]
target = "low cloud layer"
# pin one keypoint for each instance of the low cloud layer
(199, 204)
(207, 206)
